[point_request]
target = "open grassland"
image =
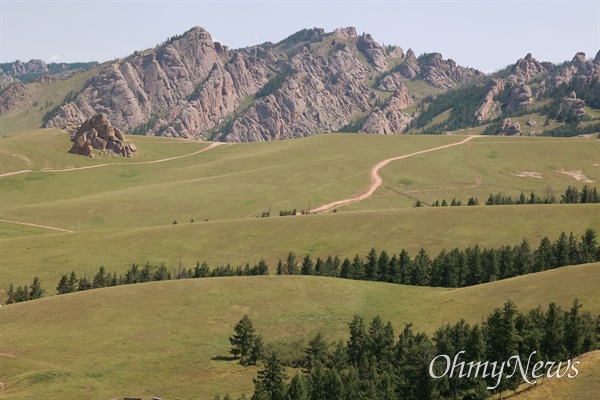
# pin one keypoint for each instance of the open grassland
(169, 339)
(488, 165)
(39, 149)
(123, 213)
(247, 240)
(42, 95)
(583, 387)
(230, 181)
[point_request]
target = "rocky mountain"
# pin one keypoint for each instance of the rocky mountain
(310, 82)
(19, 71)
(561, 92)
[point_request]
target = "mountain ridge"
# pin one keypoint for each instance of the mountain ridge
(315, 81)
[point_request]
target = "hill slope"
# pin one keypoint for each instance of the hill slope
(168, 339)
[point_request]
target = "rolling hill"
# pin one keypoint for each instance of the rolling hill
(169, 339)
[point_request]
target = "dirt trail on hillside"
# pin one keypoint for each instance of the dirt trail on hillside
(376, 179)
(37, 226)
(213, 145)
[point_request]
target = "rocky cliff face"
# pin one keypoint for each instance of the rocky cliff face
(390, 119)
(14, 97)
(445, 74)
(310, 82)
(526, 72)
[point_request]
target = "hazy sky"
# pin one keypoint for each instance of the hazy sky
(487, 35)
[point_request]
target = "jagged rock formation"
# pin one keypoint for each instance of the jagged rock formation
(520, 96)
(445, 74)
(390, 120)
(10, 72)
(391, 82)
(510, 128)
(310, 100)
(571, 104)
(395, 52)
(528, 67)
(14, 97)
(34, 69)
(490, 108)
(374, 52)
(97, 133)
(194, 87)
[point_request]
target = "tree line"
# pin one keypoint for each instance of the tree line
(374, 363)
(572, 195)
(70, 283)
(455, 268)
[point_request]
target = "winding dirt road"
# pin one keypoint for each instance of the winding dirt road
(376, 179)
(212, 146)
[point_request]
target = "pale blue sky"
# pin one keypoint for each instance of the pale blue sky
(487, 35)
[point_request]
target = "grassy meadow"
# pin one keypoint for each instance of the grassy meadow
(169, 339)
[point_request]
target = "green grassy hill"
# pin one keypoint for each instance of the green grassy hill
(583, 387)
(124, 213)
(247, 240)
(169, 339)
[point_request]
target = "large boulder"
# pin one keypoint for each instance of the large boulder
(97, 133)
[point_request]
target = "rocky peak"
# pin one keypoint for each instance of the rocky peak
(346, 33)
(579, 58)
(528, 67)
(410, 55)
(445, 74)
(490, 108)
(597, 59)
(374, 52)
(395, 52)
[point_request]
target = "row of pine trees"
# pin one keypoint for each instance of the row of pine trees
(455, 268)
(375, 364)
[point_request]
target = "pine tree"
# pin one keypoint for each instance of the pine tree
(270, 383)
(553, 342)
(298, 389)
(356, 345)
(307, 266)
(574, 331)
(371, 266)
(421, 269)
(316, 352)
(243, 339)
(404, 263)
(347, 272)
(61, 288)
(36, 291)
(359, 268)
(290, 266)
(544, 256)
(383, 265)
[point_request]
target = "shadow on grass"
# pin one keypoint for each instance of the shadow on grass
(224, 358)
